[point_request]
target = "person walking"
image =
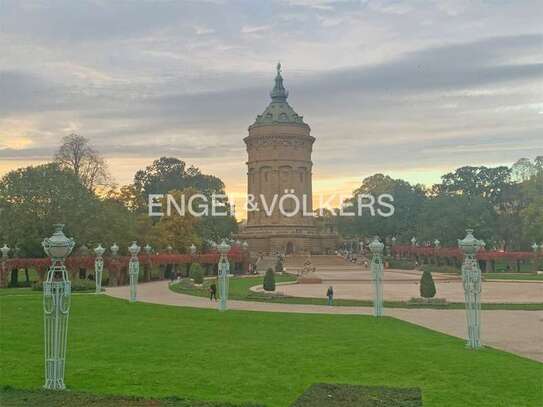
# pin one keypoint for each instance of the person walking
(213, 292)
(330, 295)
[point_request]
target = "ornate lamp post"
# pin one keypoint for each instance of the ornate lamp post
(376, 248)
(133, 269)
(413, 241)
(535, 248)
(114, 267)
(56, 308)
(99, 267)
(437, 243)
(224, 268)
(471, 277)
(147, 265)
(192, 250)
(4, 272)
(148, 249)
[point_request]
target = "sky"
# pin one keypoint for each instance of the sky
(411, 89)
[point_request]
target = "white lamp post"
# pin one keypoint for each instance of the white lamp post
(413, 241)
(4, 272)
(377, 269)
(133, 269)
(535, 248)
(148, 249)
(99, 267)
(5, 251)
(224, 269)
(56, 308)
(471, 277)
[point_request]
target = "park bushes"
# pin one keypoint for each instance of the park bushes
(269, 280)
(432, 268)
(77, 285)
(401, 264)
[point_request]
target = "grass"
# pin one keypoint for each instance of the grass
(240, 290)
(154, 351)
(513, 276)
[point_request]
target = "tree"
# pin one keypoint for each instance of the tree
(523, 169)
(269, 280)
(177, 230)
(487, 183)
(446, 218)
(89, 167)
(427, 285)
(168, 174)
(408, 200)
(196, 273)
(531, 214)
(32, 199)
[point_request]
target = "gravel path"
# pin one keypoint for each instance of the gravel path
(519, 332)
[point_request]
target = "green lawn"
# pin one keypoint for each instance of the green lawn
(117, 348)
(513, 276)
(240, 290)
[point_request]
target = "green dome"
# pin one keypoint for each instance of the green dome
(279, 111)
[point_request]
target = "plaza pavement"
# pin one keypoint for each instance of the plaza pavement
(355, 283)
(519, 332)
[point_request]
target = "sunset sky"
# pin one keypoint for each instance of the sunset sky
(412, 89)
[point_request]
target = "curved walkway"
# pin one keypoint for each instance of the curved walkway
(519, 332)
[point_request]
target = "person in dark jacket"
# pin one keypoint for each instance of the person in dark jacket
(330, 295)
(212, 292)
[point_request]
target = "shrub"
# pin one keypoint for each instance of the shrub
(269, 280)
(427, 286)
(77, 285)
(196, 273)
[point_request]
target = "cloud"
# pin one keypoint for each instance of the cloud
(247, 29)
(383, 85)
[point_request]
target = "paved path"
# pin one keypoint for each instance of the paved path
(452, 291)
(519, 332)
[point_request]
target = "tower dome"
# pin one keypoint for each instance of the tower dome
(278, 111)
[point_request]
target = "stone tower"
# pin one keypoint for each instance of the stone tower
(279, 147)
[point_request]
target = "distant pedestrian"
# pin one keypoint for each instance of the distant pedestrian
(330, 295)
(212, 292)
